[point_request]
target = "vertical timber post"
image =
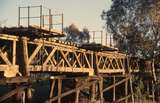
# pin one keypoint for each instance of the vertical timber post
(25, 55)
(14, 53)
(114, 89)
(59, 89)
(77, 92)
(126, 90)
(101, 89)
(25, 67)
(93, 92)
(51, 89)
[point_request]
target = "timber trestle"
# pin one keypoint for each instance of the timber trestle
(22, 58)
(37, 67)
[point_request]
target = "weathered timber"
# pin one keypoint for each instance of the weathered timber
(126, 91)
(116, 84)
(11, 93)
(5, 81)
(72, 91)
(122, 99)
(114, 88)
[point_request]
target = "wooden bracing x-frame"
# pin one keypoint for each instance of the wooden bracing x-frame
(8, 55)
(95, 85)
(89, 83)
(111, 62)
(57, 58)
(44, 56)
(115, 84)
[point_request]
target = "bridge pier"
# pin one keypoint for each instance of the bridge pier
(101, 90)
(54, 58)
(93, 92)
(77, 91)
(23, 63)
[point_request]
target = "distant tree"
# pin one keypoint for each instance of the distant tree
(72, 33)
(84, 37)
(75, 35)
(135, 24)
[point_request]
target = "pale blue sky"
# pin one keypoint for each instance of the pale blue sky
(83, 13)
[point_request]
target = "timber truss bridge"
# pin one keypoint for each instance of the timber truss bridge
(73, 74)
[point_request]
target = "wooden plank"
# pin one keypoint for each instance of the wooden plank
(93, 92)
(122, 64)
(87, 60)
(64, 57)
(101, 90)
(131, 88)
(122, 99)
(92, 62)
(25, 55)
(14, 53)
(50, 68)
(111, 63)
(8, 37)
(5, 81)
(126, 91)
(34, 53)
(96, 65)
(59, 90)
(63, 95)
(72, 91)
(110, 71)
(52, 88)
(98, 60)
(116, 84)
(77, 92)
(104, 64)
(13, 92)
(47, 55)
(77, 58)
(4, 57)
(50, 56)
(117, 64)
(114, 89)
(54, 44)
(77, 96)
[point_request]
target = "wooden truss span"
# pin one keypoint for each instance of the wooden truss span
(8, 55)
(111, 62)
(21, 56)
(29, 55)
(41, 55)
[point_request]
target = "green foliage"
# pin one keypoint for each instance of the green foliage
(135, 24)
(75, 35)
